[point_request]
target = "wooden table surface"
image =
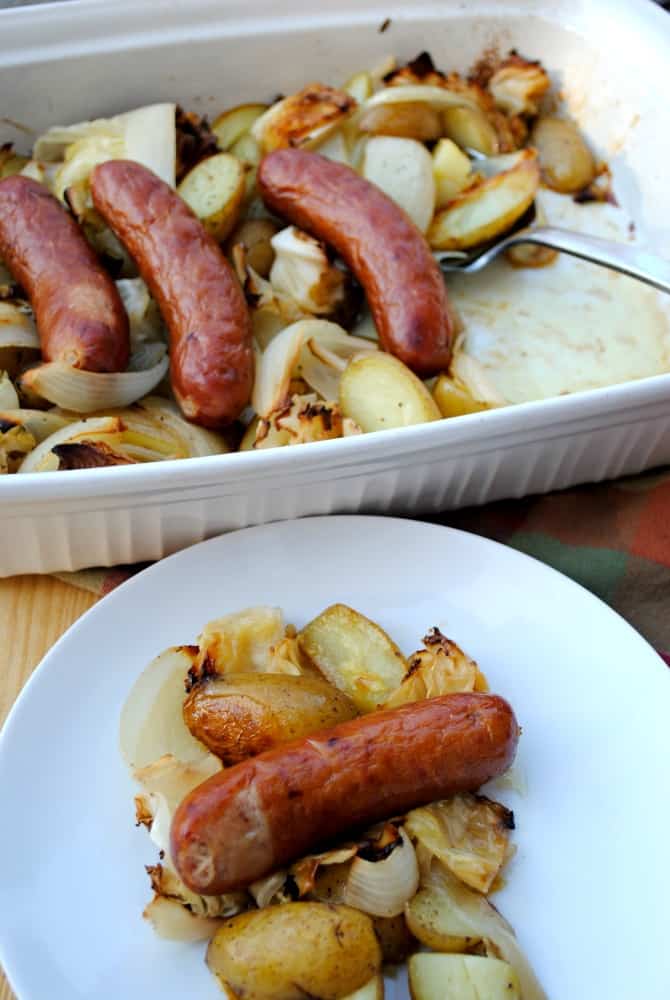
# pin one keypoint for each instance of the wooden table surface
(34, 612)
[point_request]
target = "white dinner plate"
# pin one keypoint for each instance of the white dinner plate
(587, 892)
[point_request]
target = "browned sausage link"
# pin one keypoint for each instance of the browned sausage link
(246, 821)
(211, 354)
(382, 246)
(79, 315)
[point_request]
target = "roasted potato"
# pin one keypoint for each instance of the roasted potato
(214, 189)
(295, 950)
(379, 392)
(566, 161)
(490, 208)
(462, 977)
(245, 714)
(232, 124)
(355, 654)
(452, 171)
(403, 169)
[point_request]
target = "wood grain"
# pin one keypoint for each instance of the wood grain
(34, 612)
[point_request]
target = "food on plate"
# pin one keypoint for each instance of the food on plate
(405, 850)
(332, 205)
(382, 247)
(195, 287)
(241, 824)
(78, 311)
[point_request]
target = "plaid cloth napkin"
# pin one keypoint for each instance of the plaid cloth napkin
(613, 538)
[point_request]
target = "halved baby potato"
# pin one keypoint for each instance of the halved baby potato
(295, 950)
(214, 189)
(379, 392)
(241, 715)
(462, 977)
(235, 122)
(403, 169)
(488, 209)
(566, 161)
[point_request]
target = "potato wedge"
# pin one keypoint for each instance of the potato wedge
(488, 209)
(462, 977)
(295, 950)
(454, 399)
(566, 161)
(403, 169)
(452, 171)
(379, 392)
(470, 129)
(245, 714)
(355, 654)
(214, 189)
(410, 120)
(374, 990)
(233, 123)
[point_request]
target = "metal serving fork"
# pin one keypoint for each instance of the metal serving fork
(622, 257)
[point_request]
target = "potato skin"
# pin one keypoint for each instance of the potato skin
(566, 161)
(295, 950)
(242, 715)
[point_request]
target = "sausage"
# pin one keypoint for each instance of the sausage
(379, 243)
(258, 815)
(78, 311)
(211, 354)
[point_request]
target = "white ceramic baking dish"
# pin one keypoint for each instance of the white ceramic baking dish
(77, 60)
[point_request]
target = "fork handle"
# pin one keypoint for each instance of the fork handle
(619, 256)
